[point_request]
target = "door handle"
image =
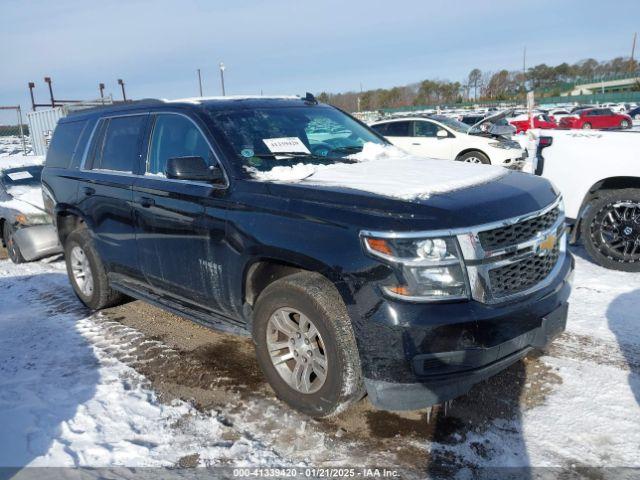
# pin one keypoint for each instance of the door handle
(146, 202)
(88, 191)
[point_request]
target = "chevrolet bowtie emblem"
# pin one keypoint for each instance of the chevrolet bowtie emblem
(547, 245)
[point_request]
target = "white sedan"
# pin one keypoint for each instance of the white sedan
(448, 139)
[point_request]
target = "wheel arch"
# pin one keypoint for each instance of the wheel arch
(473, 149)
(67, 221)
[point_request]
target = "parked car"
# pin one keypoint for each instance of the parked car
(556, 114)
(27, 232)
(356, 267)
(599, 177)
(596, 118)
(540, 120)
(445, 138)
(635, 113)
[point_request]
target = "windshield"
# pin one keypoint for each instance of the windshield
(23, 176)
(453, 124)
(264, 138)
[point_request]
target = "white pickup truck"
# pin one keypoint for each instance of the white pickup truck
(598, 173)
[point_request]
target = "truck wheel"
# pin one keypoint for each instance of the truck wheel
(87, 273)
(611, 229)
(474, 157)
(12, 247)
(624, 124)
(586, 126)
(305, 345)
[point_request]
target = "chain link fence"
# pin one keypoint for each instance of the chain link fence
(14, 133)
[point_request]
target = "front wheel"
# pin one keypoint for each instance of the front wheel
(586, 126)
(611, 229)
(624, 124)
(474, 157)
(13, 249)
(305, 345)
(87, 273)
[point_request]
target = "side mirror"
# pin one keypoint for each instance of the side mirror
(442, 133)
(192, 168)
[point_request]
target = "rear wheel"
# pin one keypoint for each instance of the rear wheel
(474, 157)
(586, 126)
(87, 273)
(305, 345)
(611, 229)
(13, 249)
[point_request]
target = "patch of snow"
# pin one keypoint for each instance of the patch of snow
(17, 161)
(386, 170)
(29, 194)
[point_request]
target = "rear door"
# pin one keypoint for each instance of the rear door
(105, 190)
(397, 132)
(180, 224)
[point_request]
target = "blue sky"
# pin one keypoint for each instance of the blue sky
(287, 46)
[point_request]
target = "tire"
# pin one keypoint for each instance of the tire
(13, 249)
(474, 156)
(615, 248)
(637, 116)
(624, 124)
(100, 295)
(295, 297)
(586, 126)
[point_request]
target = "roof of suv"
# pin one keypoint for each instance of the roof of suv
(248, 102)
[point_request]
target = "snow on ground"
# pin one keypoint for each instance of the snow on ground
(64, 401)
(12, 145)
(388, 171)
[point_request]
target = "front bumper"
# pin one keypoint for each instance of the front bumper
(37, 241)
(417, 355)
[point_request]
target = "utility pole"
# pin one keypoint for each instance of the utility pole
(121, 83)
(101, 87)
(200, 82)
(633, 50)
(222, 68)
(47, 80)
(524, 70)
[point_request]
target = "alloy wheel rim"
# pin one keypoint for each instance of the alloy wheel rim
(297, 350)
(472, 160)
(81, 270)
(616, 231)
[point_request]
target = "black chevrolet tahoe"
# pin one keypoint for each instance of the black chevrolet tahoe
(265, 217)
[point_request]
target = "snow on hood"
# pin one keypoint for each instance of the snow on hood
(386, 170)
(26, 199)
(17, 161)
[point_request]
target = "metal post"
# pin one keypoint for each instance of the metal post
(200, 82)
(33, 102)
(48, 81)
(101, 87)
(24, 142)
(121, 83)
(222, 67)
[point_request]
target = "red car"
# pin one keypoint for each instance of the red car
(540, 120)
(596, 118)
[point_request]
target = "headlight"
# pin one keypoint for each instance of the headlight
(429, 269)
(505, 145)
(33, 219)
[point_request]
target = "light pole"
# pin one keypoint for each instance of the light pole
(200, 82)
(222, 67)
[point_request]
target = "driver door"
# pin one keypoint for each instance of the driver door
(426, 142)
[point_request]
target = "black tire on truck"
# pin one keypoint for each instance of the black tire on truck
(611, 229)
(87, 274)
(12, 247)
(305, 345)
(474, 156)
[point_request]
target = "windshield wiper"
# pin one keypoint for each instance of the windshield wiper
(348, 149)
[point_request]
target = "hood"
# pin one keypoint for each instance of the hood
(475, 128)
(27, 199)
(388, 171)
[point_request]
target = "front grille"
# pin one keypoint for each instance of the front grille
(520, 276)
(519, 232)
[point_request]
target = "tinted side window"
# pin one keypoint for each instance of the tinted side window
(381, 129)
(398, 129)
(425, 129)
(121, 143)
(64, 144)
(175, 136)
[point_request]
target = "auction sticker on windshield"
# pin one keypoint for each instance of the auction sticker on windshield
(285, 145)
(19, 175)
